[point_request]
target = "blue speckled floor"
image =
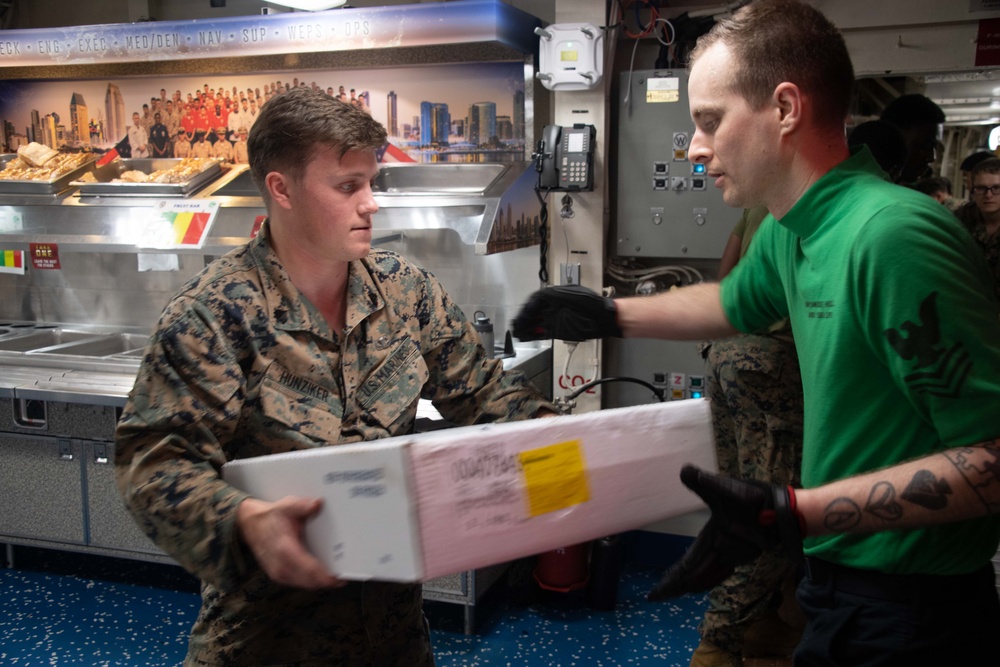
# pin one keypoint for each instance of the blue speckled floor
(51, 619)
(138, 614)
(561, 630)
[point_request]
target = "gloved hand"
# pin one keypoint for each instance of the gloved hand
(567, 312)
(748, 517)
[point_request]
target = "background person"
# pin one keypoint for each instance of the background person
(885, 142)
(968, 163)
(182, 145)
(754, 388)
(201, 147)
(222, 149)
(240, 154)
(159, 137)
(138, 138)
(919, 119)
(895, 325)
(981, 216)
(939, 188)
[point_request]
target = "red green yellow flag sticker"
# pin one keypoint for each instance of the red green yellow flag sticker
(12, 261)
(179, 224)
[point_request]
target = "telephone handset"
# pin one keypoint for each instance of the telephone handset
(567, 158)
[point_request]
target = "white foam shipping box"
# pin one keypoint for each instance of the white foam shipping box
(412, 508)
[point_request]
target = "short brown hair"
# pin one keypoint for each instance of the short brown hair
(773, 41)
(293, 125)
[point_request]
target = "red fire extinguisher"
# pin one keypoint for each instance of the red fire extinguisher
(564, 569)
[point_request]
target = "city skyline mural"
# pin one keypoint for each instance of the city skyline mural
(458, 113)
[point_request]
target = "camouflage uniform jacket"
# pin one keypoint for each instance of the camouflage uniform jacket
(973, 220)
(243, 365)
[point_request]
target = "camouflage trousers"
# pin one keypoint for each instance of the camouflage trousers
(755, 389)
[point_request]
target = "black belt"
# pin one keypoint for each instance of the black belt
(906, 588)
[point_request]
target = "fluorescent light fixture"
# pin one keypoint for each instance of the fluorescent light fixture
(308, 5)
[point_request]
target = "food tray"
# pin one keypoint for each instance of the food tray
(105, 174)
(23, 187)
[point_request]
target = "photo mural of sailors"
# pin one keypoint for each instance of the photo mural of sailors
(471, 112)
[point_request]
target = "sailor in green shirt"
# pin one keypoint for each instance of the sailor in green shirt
(897, 331)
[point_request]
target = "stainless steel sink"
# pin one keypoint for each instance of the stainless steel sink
(42, 339)
(103, 346)
(10, 329)
(132, 354)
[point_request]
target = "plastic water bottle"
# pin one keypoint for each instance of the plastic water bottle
(485, 328)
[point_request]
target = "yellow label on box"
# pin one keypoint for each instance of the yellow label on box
(555, 477)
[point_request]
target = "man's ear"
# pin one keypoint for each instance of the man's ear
(790, 104)
(277, 185)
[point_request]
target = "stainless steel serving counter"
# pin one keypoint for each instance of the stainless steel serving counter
(62, 389)
(48, 362)
(51, 362)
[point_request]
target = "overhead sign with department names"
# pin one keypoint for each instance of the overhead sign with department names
(291, 32)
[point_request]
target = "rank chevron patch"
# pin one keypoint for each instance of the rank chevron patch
(936, 371)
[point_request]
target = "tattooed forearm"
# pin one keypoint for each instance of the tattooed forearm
(957, 484)
(882, 502)
(927, 491)
(980, 468)
(924, 489)
(841, 515)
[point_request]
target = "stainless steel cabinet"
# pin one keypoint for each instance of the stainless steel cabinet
(57, 486)
(109, 524)
(41, 489)
(465, 588)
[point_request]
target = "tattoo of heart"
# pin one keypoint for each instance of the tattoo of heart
(841, 515)
(882, 502)
(927, 491)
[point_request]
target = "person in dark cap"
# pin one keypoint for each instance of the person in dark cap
(919, 119)
(968, 164)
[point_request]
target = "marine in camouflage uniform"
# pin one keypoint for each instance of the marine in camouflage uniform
(972, 218)
(242, 365)
(755, 390)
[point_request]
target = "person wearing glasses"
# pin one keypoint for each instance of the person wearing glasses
(981, 216)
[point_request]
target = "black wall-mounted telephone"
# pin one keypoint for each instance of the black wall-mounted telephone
(567, 158)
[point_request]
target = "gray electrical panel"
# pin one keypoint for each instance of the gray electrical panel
(667, 205)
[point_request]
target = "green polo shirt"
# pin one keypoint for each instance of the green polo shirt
(898, 338)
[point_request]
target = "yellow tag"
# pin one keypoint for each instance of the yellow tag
(555, 476)
(571, 56)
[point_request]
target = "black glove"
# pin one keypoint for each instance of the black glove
(748, 517)
(567, 312)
